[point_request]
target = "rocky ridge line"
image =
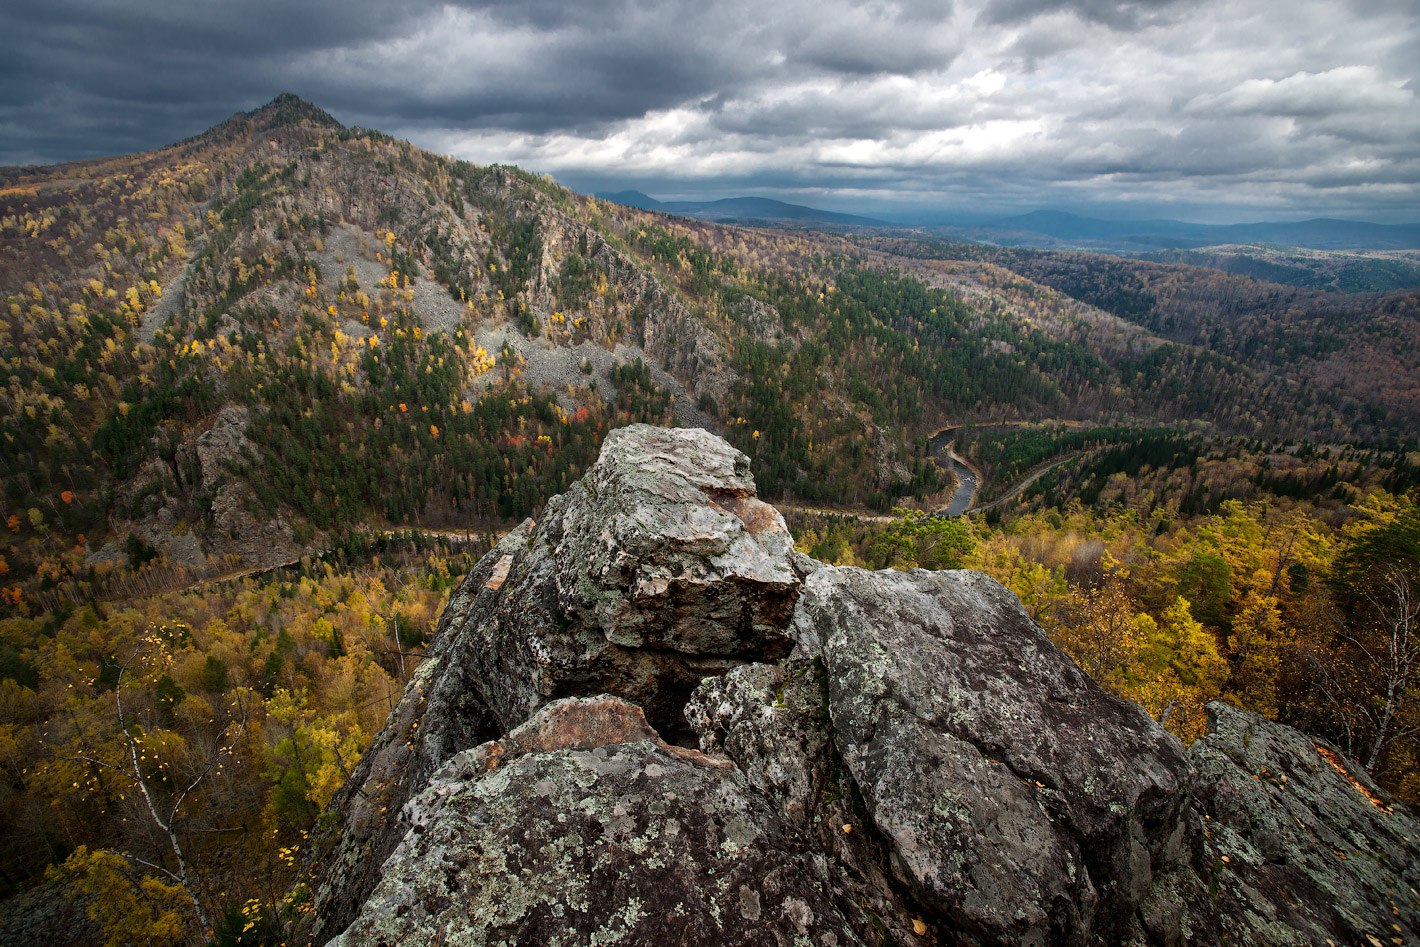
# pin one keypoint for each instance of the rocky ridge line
(646, 716)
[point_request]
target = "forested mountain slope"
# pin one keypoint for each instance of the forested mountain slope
(1334, 270)
(288, 343)
(222, 351)
(1358, 352)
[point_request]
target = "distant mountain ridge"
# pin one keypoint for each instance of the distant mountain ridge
(1320, 233)
(741, 208)
(1053, 228)
(234, 261)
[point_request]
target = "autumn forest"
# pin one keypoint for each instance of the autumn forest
(268, 393)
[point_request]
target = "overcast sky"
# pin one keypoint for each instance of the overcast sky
(1203, 109)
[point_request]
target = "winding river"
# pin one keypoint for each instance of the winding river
(968, 483)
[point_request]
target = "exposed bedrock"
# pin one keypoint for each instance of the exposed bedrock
(647, 720)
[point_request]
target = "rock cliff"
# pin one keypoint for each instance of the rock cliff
(647, 720)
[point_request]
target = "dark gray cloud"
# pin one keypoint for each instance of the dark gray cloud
(1256, 106)
(1119, 14)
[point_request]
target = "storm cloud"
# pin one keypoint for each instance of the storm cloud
(1205, 108)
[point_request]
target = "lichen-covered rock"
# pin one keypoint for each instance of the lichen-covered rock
(883, 758)
(772, 721)
(1299, 846)
(582, 827)
(1020, 800)
(657, 569)
(664, 545)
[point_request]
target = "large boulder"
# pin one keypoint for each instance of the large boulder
(882, 757)
(583, 827)
(1020, 800)
(658, 568)
(1298, 845)
(772, 722)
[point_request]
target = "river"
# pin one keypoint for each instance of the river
(967, 482)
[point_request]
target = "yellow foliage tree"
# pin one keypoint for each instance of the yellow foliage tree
(129, 906)
(1258, 646)
(1176, 671)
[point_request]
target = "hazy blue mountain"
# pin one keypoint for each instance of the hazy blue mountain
(1060, 229)
(742, 208)
(633, 199)
(1320, 233)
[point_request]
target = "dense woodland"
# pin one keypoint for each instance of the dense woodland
(320, 358)
(165, 756)
(1355, 355)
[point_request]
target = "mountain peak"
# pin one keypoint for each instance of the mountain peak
(290, 109)
(637, 199)
(287, 110)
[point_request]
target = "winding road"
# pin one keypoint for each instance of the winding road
(1026, 481)
(969, 479)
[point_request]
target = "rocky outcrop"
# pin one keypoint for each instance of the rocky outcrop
(652, 317)
(1298, 845)
(52, 912)
(773, 722)
(1016, 795)
(645, 719)
(583, 827)
(666, 329)
(658, 569)
(187, 503)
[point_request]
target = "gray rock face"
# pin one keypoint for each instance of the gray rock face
(48, 914)
(883, 758)
(657, 569)
(773, 723)
(682, 344)
(665, 546)
(1016, 795)
(187, 504)
(582, 827)
(1299, 846)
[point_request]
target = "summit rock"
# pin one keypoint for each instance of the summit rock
(656, 570)
(645, 717)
